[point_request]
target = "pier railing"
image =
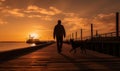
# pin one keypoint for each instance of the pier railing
(108, 43)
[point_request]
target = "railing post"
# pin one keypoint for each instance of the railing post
(117, 24)
(81, 34)
(97, 33)
(72, 35)
(117, 33)
(76, 35)
(91, 31)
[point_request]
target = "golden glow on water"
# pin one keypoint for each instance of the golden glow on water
(33, 44)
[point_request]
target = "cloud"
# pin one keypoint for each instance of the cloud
(2, 22)
(45, 18)
(2, 0)
(35, 9)
(34, 16)
(32, 8)
(70, 14)
(13, 12)
(76, 22)
(55, 10)
(45, 14)
(104, 18)
(30, 12)
(104, 23)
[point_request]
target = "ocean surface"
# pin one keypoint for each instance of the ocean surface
(11, 46)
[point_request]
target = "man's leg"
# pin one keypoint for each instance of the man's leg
(58, 46)
(61, 43)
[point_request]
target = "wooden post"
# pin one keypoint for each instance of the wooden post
(97, 33)
(76, 35)
(72, 36)
(91, 31)
(117, 24)
(81, 34)
(117, 50)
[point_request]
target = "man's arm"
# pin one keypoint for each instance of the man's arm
(64, 31)
(54, 33)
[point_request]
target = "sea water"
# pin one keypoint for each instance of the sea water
(11, 46)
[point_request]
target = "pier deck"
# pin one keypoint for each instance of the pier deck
(47, 59)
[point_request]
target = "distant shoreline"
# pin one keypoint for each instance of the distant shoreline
(12, 42)
(23, 41)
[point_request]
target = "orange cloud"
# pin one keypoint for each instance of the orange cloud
(104, 23)
(31, 12)
(44, 14)
(13, 12)
(33, 16)
(2, 0)
(55, 10)
(70, 14)
(76, 22)
(104, 18)
(2, 22)
(36, 9)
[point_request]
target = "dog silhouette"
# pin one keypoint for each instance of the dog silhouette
(75, 45)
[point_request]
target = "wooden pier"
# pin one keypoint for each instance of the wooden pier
(47, 59)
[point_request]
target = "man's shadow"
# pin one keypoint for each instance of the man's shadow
(78, 64)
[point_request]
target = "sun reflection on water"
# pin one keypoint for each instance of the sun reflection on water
(33, 44)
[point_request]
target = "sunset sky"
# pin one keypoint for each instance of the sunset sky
(20, 18)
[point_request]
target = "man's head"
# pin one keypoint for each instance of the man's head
(59, 22)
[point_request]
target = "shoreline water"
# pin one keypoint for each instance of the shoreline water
(15, 53)
(10, 46)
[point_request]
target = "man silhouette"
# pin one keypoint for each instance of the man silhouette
(59, 33)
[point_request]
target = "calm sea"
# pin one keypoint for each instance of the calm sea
(11, 46)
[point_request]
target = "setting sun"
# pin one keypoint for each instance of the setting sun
(33, 35)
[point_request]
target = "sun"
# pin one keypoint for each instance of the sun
(33, 35)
